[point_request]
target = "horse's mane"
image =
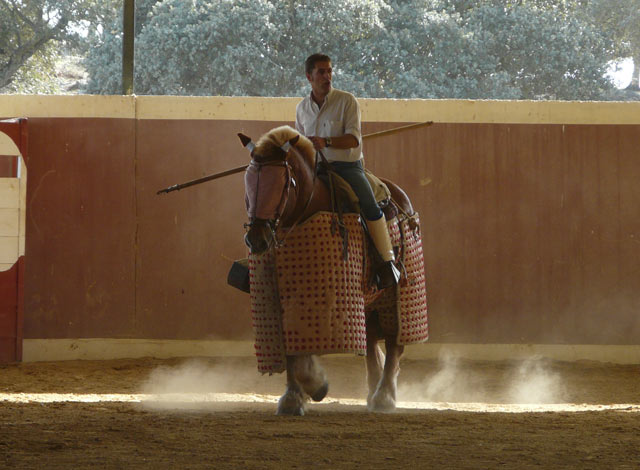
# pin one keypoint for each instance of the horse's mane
(268, 144)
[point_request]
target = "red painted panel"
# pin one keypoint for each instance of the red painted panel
(10, 339)
(530, 231)
(81, 229)
(18, 130)
(188, 239)
(8, 166)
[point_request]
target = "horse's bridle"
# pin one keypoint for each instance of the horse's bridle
(290, 179)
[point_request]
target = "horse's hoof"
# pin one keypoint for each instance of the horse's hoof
(321, 392)
(290, 412)
(380, 403)
(290, 406)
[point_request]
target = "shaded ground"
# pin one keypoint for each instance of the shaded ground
(130, 434)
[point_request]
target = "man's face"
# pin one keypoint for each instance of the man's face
(320, 78)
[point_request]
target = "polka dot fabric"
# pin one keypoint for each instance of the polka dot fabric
(322, 295)
(403, 312)
(305, 299)
(266, 313)
(412, 290)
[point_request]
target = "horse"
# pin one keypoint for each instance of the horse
(289, 193)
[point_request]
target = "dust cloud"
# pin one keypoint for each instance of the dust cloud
(534, 382)
(530, 381)
(194, 383)
(203, 384)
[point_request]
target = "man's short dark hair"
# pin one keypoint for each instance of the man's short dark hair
(310, 63)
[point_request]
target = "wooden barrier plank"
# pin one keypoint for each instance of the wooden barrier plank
(9, 222)
(9, 249)
(23, 207)
(9, 193)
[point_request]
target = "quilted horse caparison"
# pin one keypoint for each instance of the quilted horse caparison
(307, 299)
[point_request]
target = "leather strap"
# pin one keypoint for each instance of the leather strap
(306, 205)
(336, 224)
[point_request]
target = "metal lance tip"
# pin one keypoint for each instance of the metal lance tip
(169, 189)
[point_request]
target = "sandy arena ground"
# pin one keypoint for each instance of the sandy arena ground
(219, 414)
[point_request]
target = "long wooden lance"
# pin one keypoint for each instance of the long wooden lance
(179, 186)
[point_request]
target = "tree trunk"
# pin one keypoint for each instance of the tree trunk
(17, 59)
(23, 52)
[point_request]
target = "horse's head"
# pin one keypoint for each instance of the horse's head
(271, 189)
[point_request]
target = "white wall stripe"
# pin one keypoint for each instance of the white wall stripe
(283, 109)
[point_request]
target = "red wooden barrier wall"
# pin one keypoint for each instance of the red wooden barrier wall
(12, 280)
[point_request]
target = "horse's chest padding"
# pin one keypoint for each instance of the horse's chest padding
(306, 299)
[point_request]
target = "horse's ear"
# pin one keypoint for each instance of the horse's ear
(289, 144)
(244, 139)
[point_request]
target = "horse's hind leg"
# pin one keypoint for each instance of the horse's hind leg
(292, 402)
(384, 398)
(311, 376)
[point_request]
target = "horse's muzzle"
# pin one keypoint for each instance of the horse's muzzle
(260, 237)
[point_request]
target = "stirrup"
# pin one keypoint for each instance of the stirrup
(387, 275)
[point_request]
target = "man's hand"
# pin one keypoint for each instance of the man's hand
(319, 143)
(346, 141)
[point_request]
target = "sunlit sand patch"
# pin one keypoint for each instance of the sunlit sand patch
(165, 398)
(200, 400)
(520, 407)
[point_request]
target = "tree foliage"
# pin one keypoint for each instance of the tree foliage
(500, 49)
(621, 19)
(36, 75)
(543, 54)
(224, 47)
(535, 49)
(31, 33)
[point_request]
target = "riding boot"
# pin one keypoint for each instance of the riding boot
(387, 274)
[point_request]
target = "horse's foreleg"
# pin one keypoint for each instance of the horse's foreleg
(311, 376)
(384, 398)
(292, 402)
(375, 359)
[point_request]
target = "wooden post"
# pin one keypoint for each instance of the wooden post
(128, 31)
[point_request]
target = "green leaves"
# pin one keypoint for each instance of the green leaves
(475, 49)
(29, 33)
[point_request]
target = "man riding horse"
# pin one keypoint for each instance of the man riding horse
(330, 118)
(318, 293)
(310, 265)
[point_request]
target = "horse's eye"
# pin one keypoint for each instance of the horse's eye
(293, 182)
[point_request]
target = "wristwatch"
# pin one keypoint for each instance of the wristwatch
(327, 141)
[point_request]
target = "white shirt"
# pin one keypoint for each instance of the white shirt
(339, 115)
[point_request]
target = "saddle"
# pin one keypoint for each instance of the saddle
(347, 197)
(344, 199)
